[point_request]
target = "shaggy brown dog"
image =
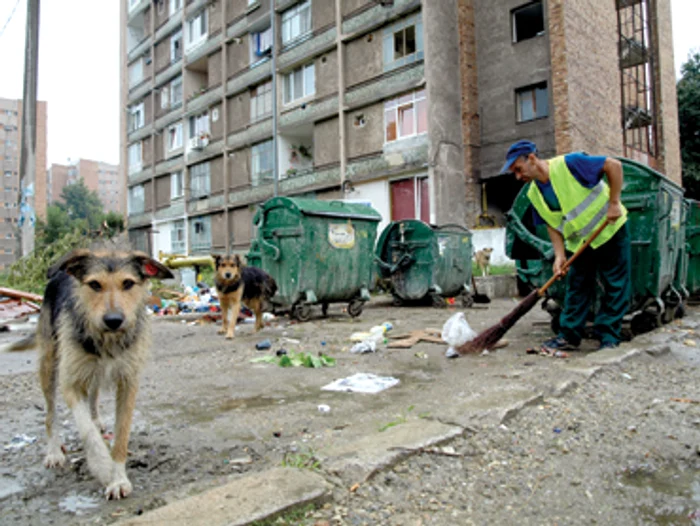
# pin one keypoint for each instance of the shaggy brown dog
(93, 330)
(483, 260)
(236, 283)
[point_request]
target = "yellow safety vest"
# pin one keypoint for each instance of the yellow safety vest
(582, 209)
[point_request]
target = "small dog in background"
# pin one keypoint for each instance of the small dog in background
(237, 283)
(483, 260)
(94, 330)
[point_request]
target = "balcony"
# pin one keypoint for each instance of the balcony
(632, 53)
(388, 85)
(377, 16)
(636, 117)
(627, 3)
(316, 45)
(250, 77)
(308, 112)
(200, 101)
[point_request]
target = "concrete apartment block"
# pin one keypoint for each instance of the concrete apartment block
(101, 177)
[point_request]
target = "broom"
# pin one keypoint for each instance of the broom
(489, 337)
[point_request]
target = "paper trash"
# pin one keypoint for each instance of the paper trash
(361, 383)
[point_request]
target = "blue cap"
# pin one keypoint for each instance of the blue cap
(517, 149)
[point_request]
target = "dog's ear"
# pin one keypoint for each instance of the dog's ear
(149, 267)
(74, 263)
(217, 260)
(237, 260)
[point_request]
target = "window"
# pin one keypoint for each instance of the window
(136, 73)
(174, 137)
(405, 116)
(403, 42)
(260, 45)
(176, 47)
(177, 237)
(8, 173)
(200, 180)
(133, 3)
(135, 157)
(296, 22)
(532, 102)
(262, 170)
(300, 83)
(196, 29)
(199, 125)
(201, 234)
(177, 187)
(175, 6)
(136, 117)
(176, 92)
(137, 200)
(528, 22)
(261, 101)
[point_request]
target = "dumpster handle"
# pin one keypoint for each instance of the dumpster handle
(448, 225)
(402, 262)
(272, 247)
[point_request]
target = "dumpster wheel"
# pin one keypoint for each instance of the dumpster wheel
(355, 308)
(467, 300)
(324, 309)
(301, 311)
(438, 301)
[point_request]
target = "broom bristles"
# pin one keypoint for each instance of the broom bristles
(489, 337)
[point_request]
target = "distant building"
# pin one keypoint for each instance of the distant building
(98, 176)
(10, 134)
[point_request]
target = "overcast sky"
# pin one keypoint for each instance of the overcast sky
(79, 69)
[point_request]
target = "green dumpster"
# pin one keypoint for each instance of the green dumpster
(692, 241)
(418, 261)
(318, 252)
(655, 206)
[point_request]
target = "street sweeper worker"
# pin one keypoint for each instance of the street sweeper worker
(574, 194)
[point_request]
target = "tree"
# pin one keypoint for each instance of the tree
(688, 89)
(57, 225)
(79, 202)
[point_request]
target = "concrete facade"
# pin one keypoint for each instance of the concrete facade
(101, 177)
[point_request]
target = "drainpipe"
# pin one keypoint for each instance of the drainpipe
(275, 160)
(341, 92)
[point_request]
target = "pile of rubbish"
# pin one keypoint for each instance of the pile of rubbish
(199, 298)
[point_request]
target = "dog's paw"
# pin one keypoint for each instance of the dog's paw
(221, 331)
(229, 336)
(54, 459)
(118, 489)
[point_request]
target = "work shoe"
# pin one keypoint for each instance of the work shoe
(558, 344)
(608, 345)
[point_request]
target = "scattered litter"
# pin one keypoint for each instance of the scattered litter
(685, 400)
(422, 355)
(323, 408)
(451, 353)
(456, 331)
(265, 344)
(545, 352)
(362, 383)
(78, 504)
(292, 359)
(689, 343)
(406, 341)
(364, 347)
(485, 352)
(626, 376)
(281, 352)
(557, 430)
(291, 340)
(19, 441)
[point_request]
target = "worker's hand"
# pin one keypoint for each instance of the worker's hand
(614, 211)
(558, 266)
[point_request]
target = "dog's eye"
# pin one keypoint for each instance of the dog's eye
(128, 283)
(95, 285)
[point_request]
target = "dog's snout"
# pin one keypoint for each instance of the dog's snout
(227, 275)
(113, 320)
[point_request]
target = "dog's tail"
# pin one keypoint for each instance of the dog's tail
(26, 343)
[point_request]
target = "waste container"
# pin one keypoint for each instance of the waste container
(692, 243)
(318, 252)
(655, 209)
(419, 261)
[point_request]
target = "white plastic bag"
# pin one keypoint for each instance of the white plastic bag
(456, 332)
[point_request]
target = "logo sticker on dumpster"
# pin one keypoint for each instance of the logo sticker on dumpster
(341, 235)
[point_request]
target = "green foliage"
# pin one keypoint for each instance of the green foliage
(295, 517)
(400, 419)
(689, 123)
(79, 202)
(494, 270)
(292, 359)
(301, 460)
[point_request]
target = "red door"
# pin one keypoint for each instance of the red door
(403, 199)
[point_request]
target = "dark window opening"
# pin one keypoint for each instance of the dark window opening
(528, 22)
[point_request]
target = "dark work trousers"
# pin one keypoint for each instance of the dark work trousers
(611, 264)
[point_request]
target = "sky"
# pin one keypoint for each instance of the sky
(79, 69)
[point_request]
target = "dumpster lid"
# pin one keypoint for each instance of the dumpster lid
(318, 207)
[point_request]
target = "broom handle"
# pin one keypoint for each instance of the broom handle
(570, 261)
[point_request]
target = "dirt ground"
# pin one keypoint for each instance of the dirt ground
(614, 450)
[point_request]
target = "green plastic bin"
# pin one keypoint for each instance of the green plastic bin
(418, 261)
(692, 243)
(318, 252)
(655, 206)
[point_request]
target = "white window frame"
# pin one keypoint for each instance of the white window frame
(176, 89)
(133, 4)
(174, 138)
(261, 101)
(395, 105)
(136, 72)
(136, 202)
(199, 126)
(290, 96)
(200, 180)
(137, 117)
(135, 157)
(296, 22)
(178, 238)
(174, 39)
(258, 153)
(164, 93)
(177, 185)
(260, 46)
(201, 241)
(194, 32)
(175, 6)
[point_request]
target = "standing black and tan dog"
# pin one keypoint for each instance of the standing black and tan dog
(93, 330)
(236, 283)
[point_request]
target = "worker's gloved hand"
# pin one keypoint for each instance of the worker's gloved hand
(558, 266)
(614, 211)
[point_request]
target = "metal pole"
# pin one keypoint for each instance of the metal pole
(27, 162)
(275, 160)
(341, 95)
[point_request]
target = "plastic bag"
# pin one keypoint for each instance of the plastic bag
(457, 331)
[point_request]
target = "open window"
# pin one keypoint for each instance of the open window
(528, 21)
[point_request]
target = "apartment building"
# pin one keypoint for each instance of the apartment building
(584, 75)
(103, 178)
(348, 113)
(10, 134)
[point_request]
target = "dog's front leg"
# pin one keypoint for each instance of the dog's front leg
(119, 486)
(94, 407)
(98, 458)
(235, 309)
(224, 317)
